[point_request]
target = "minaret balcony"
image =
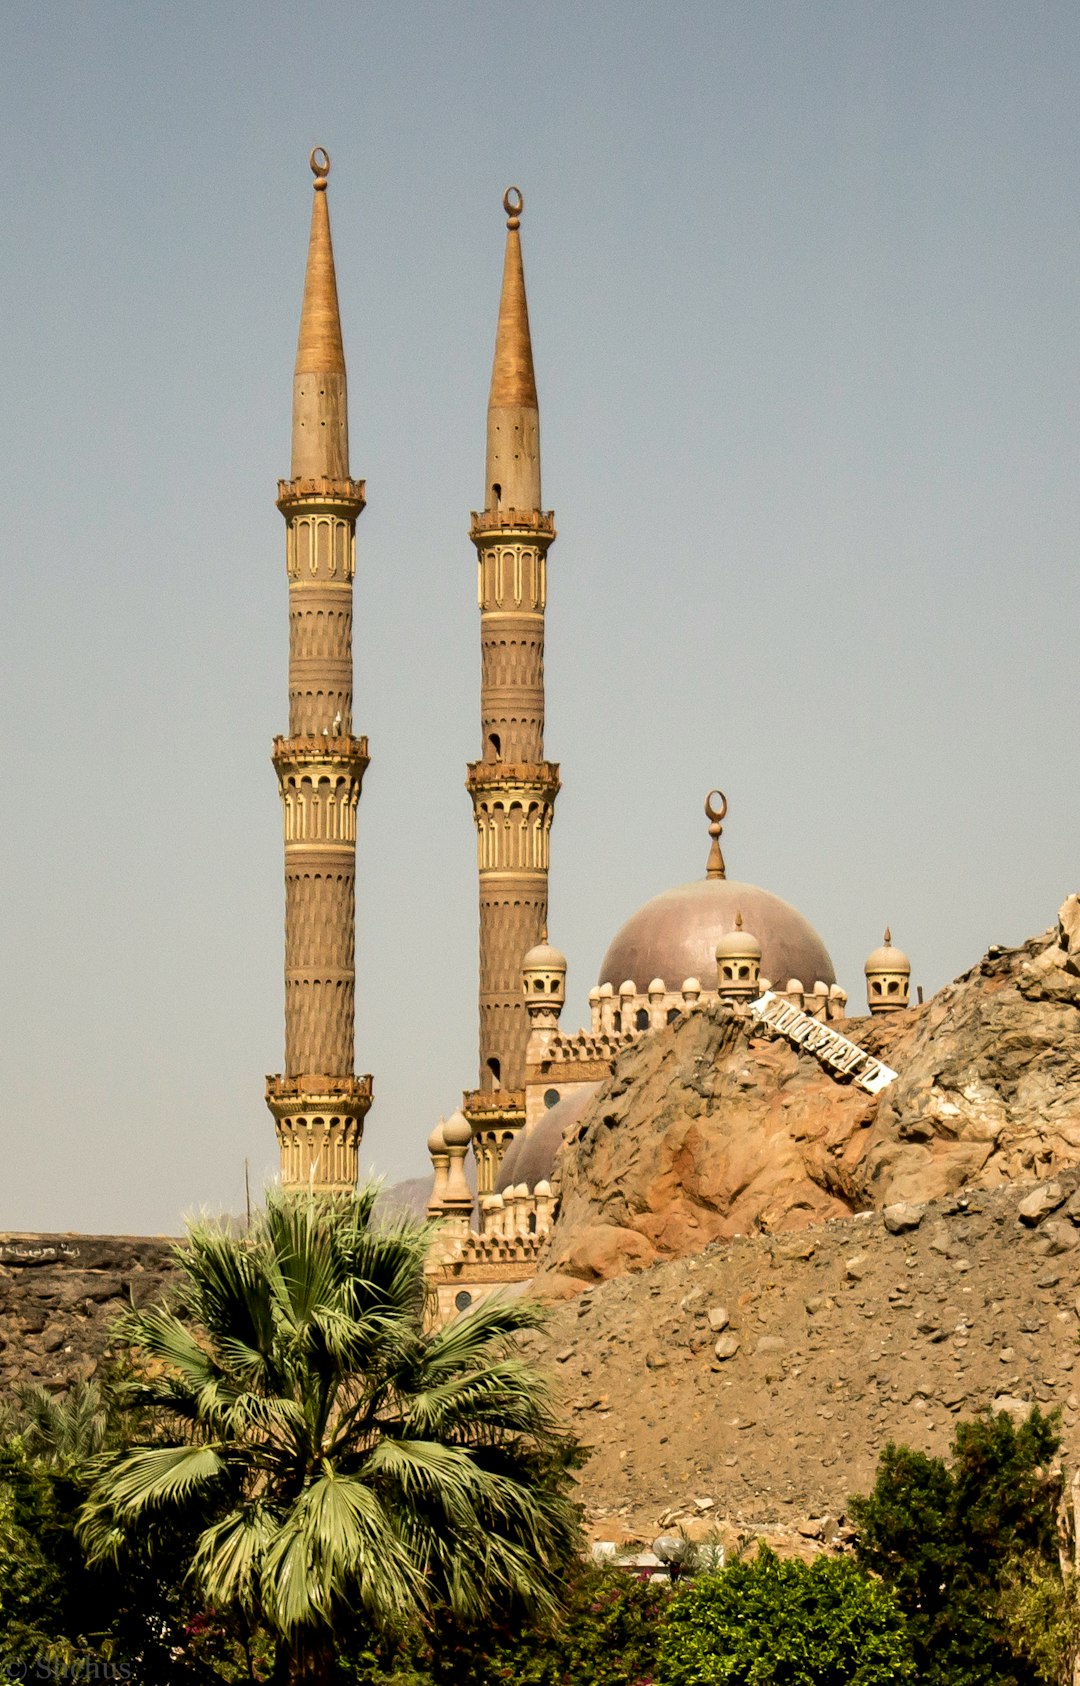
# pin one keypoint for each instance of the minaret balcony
(540, 523)
(346, 497)
(288, 1095)
(325, 750)
(539, 778)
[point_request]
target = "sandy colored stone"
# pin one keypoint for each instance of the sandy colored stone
(680, 1148)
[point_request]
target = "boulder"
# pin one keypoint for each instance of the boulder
(901, 1217)
(1040, 1203)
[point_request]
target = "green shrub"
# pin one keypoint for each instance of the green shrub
(948, 1540)
(771, 1623)
(606, 1635)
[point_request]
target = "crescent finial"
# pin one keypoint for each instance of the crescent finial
(715, 867)
(513, 205)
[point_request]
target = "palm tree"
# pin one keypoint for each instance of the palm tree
(64, 1432)
(335, 1454)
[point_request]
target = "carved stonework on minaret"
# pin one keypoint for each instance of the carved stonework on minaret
(513, 788)
(319, 1103)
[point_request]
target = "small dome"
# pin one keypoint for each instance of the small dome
(675, 935)
(530, 1159)
(436, 1142)
(738, 944)
(544, 958)
(457, 1131)
(887, 958)
(656, 987)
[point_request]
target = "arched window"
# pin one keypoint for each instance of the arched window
(672, 1014)
(641, 1018)
(495, 1068)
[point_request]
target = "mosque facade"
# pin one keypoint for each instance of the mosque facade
(715, 939)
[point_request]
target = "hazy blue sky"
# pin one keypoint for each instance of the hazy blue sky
(804, 284)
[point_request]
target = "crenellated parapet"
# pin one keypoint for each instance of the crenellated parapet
(345, 497)
(632, 1010)
(493, 523)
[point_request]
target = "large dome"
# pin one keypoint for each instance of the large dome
(674, 937)
(531, 1158)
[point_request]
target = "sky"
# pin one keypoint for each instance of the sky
(803, 280)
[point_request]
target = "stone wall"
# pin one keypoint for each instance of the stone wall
(59, 1295)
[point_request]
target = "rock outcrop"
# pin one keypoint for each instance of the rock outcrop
(711, 1129)
(757, 1381)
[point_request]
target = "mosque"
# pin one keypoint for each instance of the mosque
(714, 939)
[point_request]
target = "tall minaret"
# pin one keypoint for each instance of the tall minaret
(319, 1104)
(513, 788)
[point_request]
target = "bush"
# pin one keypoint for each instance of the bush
(948, 1541)
(755, 1623)
(606, 1635)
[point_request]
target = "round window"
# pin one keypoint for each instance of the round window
(551, 1098)
(463, 1300)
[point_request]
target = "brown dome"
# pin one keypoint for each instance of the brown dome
(531, 1158)
(674, 937)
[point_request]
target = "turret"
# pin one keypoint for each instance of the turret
(543, 984)
(738, 964)
(888, 978)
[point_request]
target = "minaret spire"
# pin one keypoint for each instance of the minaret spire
(513, 788)
(320, 426)
(319, 1104)
(513, 434)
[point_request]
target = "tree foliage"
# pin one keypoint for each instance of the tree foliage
(143, 1621)
(765, 1621)
(949, 1539)
(331, 1456)
(605, 1635)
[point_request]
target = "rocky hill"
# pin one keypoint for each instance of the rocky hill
(755, 1383)
(712, 1128)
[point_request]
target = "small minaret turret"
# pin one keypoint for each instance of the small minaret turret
(319, 1104)
(513, 788)
(543, 983)
(738, 964)
(888, 978)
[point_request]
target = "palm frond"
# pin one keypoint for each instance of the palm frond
(156, 1475)
(228, 1293)
(228, 1561)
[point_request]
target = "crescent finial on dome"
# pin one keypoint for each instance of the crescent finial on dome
(715, 867)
